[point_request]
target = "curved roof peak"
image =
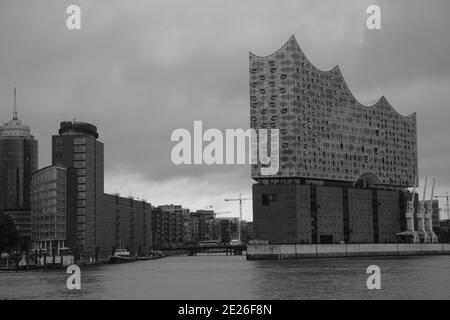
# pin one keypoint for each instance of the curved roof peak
(336, 70)
(290, 40)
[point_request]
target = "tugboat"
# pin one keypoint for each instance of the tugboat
(120, 256)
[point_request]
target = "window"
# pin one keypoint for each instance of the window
(79, 148)
(81, 179)
(80, 156)
(79, 164)
(267, 198)
(81, 203)
(81, 172)
(80, 140)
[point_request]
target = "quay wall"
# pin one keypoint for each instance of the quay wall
(305, 251)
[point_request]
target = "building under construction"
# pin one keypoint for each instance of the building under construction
(344, 167)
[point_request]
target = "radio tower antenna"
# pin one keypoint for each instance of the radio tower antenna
(15, 106)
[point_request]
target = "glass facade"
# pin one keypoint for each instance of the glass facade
(48, 203)
(18, 161)
(325, 133)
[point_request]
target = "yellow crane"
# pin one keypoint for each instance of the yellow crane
(240, 200)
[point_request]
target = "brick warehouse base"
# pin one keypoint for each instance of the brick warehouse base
(325, 214)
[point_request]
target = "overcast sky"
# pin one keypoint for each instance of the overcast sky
(140, 69)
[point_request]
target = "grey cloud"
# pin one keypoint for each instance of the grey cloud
(140, 69)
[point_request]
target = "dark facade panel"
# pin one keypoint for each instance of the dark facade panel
(360, 216)
(330, 214)
(303, 205)
(388, 215)
(275, 213)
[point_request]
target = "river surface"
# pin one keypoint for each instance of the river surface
(232, 277)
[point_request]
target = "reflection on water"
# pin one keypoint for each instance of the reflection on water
(232, 277)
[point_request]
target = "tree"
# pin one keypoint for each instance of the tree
(8, 233)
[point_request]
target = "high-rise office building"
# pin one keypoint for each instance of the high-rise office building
(343, 166)
(96, 223)
(18, 161)
(77, 148)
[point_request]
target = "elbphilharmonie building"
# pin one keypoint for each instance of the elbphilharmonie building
(344, 167)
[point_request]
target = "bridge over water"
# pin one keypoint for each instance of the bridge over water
(193, 250)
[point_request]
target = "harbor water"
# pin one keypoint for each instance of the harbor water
(233, 277)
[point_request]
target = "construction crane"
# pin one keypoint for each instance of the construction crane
(241, 200)
(448, 207)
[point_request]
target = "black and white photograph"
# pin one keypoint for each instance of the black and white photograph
(224, 155)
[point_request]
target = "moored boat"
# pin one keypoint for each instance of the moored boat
(120, 256)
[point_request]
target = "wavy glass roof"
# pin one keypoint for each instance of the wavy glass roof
(325, 132)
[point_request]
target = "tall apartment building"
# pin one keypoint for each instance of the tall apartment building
(344, 167)
(18, 161)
